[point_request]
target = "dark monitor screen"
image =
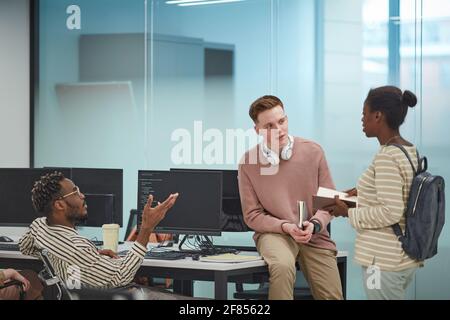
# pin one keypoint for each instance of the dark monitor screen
(199, 204)
(98, 185)
(232, 218)
(107, 186)
(100, 209)
(230, 183)
(230, 186)
(15, 194)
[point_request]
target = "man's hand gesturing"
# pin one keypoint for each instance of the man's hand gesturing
(152, 216)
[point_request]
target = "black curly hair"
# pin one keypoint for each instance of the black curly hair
(45, 191)
(392, 102)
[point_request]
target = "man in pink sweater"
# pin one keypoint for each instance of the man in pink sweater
(273, 176)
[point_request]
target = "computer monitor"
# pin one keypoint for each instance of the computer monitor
(232, 219)
(100, 209)
(198, 207)
(107, 186)
(16, 208)
(103, 189)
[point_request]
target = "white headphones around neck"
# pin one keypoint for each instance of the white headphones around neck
(285, 154)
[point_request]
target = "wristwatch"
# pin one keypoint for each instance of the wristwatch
(317, 226)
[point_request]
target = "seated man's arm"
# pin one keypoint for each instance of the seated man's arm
(97, 270)
(254, 214)
(103, 271)
(26, 243)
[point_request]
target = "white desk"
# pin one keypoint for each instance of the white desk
(184, 270)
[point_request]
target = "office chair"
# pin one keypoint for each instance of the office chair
(50, 278)
(132, 224)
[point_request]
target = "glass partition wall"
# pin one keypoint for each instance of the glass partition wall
(159, 84)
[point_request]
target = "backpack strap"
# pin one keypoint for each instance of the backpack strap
(424, 167)
(396, 227)
(409, 158)
(398, 231)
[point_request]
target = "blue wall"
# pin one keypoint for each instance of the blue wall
(278, 49)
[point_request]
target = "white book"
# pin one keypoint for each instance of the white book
(302, 213)
(325, 197)
(330, 193)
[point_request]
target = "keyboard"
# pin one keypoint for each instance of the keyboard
(221, 250)
(122, 253)
(9, 246)
(166, 255)
(99, 243)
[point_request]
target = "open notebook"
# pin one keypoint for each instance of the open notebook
(230, 258)
(325, 197)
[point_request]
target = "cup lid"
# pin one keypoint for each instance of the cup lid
(110, 226)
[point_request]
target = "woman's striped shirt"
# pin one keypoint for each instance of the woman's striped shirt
(383, 191)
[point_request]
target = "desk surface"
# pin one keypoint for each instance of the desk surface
(188, 270)
(204, 265)
(186, 263)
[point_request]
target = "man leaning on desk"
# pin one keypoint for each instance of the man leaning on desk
(73, 256)
(273, 176)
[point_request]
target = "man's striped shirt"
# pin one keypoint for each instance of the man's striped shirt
(76, 259)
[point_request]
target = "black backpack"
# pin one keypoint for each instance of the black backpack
(425, 212)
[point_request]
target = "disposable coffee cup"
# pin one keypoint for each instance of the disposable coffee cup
(110, 236)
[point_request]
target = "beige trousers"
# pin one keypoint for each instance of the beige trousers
(392, 284)
(318, 265)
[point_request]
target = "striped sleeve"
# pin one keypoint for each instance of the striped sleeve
(26, 244)
(100, 270)
(76, 258)
(390, 207)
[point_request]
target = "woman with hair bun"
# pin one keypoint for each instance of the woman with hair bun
(382, 193)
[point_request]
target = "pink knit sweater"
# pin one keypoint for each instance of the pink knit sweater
(270, 200)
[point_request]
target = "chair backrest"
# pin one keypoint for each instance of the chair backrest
(133, 229)
(132, 223)
(51, 278)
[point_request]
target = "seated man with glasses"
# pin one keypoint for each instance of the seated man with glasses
(75, 259)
